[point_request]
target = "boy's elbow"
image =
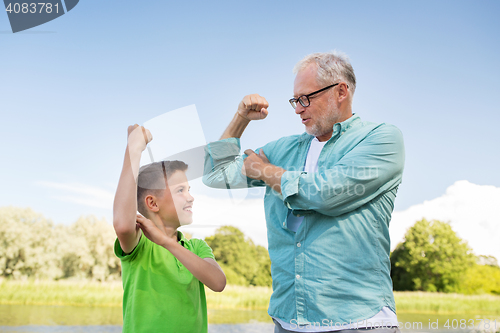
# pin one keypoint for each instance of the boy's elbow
(118, 225)
(121, 229)
(220, 286)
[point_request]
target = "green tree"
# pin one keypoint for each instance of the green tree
(33, 247)
(242, 261)
(90, 254)
(263, 276)
(26, 247)
(431, 258)
(483, 277)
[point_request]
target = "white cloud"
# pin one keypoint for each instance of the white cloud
(473, 212)
(82, 194)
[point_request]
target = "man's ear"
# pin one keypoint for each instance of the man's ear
(343, 92)
(151, 204)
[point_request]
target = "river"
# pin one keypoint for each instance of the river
(67, 319)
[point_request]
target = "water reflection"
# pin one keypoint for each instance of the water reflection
(19, 315)
(222, 328)
(224, 316)
(61, 329)
(70, 319)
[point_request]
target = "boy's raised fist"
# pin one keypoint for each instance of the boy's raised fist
(138, 137)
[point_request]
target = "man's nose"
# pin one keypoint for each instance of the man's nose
(299, 108)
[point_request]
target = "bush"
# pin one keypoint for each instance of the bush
(33, 248)
(240, 257)
(431, 258)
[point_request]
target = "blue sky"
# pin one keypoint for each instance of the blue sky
(69, 88)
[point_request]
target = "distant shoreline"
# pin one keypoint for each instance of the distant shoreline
(109, 294)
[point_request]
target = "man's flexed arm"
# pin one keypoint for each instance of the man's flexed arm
(252, 107)
(125, 203)
(223, 160)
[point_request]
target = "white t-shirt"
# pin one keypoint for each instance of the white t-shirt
(293, 222)
(386, 317)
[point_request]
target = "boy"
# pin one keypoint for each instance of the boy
(163, 273)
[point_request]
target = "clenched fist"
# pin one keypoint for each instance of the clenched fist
(253, 107)
(138, 138)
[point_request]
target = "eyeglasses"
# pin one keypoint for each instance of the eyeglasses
(304, 99)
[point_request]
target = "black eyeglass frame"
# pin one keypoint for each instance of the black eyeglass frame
(293, 101)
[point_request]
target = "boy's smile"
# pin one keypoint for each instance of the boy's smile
(176, 205)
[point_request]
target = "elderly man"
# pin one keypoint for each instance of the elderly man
(329, 198)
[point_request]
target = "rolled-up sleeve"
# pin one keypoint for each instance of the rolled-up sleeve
(223, 164)
(374, 166)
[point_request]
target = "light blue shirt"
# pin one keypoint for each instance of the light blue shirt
(335, 267)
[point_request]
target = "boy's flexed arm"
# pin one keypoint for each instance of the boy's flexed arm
(206, 270)
(125, 204)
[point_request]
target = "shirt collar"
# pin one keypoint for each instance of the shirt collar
(348, 123)
(342, 127)
(181, 238)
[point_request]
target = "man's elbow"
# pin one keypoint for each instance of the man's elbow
(206, 180)
(213, 180)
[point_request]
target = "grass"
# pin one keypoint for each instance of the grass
(69, 293)
(441, 303)
(238, 297)
(82, 293)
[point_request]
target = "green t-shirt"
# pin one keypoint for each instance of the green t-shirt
(159, 293)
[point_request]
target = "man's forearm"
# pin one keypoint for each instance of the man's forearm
(271, 175)
(236, 127)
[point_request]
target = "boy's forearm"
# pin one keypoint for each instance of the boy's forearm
(125, 203)
(209, 274)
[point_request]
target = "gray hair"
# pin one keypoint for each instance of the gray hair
(332, 67)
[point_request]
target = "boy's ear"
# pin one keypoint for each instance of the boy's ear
(151, 204)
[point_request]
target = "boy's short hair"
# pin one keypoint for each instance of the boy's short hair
(152, 180)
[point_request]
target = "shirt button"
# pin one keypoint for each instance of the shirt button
(298, 244)
(284, 224)
(297, 276)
